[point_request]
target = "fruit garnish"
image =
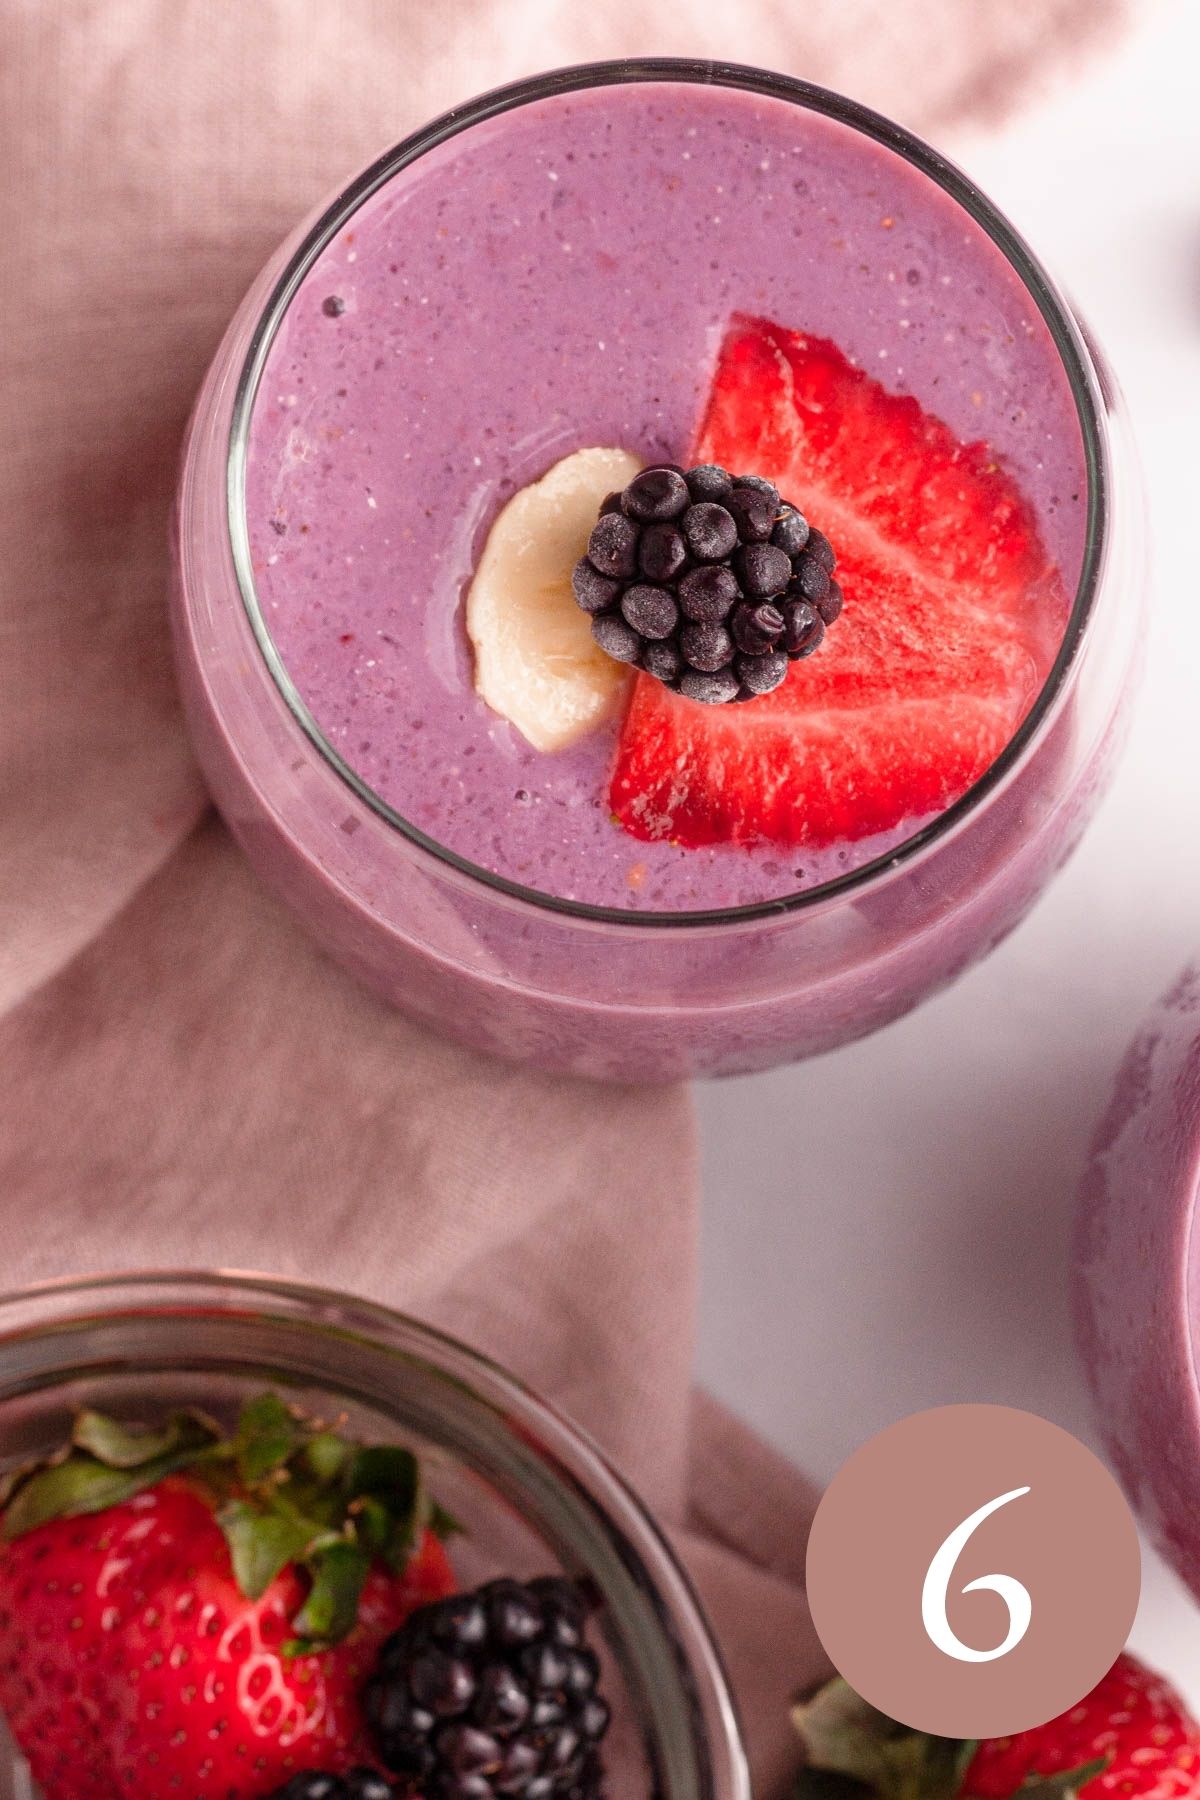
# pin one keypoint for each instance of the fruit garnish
(1131, 1736)
(536, 663)
(185, 1610)
(708, 581)
(953, 617)
(494, 1692)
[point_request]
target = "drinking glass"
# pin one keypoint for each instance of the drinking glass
(624, 995)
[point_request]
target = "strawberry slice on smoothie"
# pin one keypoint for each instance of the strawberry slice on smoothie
(953, 615)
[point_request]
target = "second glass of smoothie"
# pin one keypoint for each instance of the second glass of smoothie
(410, 724)
(1137, 1275)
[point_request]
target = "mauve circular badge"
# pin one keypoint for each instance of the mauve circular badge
(973, 1571)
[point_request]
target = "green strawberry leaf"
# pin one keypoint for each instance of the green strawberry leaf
(844, 1736)
(389, 1479)
(443, 1523)
(388, 1472)
(261, 1544)
(325, 1456)
(120, 1446)
(339, 1573)
(81, 1485)
(13, 1478)
(373, 1526)
(267, 1435)
(1066, 1785)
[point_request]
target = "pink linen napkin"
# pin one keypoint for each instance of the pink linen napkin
(185, 1081)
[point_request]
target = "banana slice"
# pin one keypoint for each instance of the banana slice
(536, 662)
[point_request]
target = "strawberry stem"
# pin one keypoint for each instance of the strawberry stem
(852, 1751)
(286, 1493)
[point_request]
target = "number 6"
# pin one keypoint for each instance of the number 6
(937, 1581)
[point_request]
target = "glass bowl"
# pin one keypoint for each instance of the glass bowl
(534, 1495)
(589, 989)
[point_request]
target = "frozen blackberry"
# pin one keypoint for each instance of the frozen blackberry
(761, 674)
(811, 581)
(663, 661)
(753, 513)
(661, 552)
(756, 629)
(593, 591)
(650, 610)
(655, 494)
(494, 1692)
(818, 545)
(709, 581)
(617, 637)
(763, 569)
(708, 482)
(791, 532)
(708, 594)
(613, 546)
(709, 532)
(803, 628)
(830, 608)
(712, 690)
(706, 647)
(359, 1784)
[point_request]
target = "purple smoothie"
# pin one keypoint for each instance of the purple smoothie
(559, 277)
(457, 314)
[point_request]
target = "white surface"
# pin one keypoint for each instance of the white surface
(886, 1228)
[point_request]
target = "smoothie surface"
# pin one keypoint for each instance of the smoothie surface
(561, 277)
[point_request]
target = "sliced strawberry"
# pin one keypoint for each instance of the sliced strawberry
(953, 615)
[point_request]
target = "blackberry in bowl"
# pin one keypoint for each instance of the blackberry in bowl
(399, 1571)
(497, 1686)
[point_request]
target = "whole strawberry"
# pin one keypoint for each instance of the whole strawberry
(1130, 1737)
(1132, 1724)
(185, 1612)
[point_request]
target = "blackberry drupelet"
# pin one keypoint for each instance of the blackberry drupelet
(359, 1784)
(710, 582)
(493, 1692)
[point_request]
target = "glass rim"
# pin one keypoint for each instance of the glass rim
(1055, 312)
(576, 1463)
